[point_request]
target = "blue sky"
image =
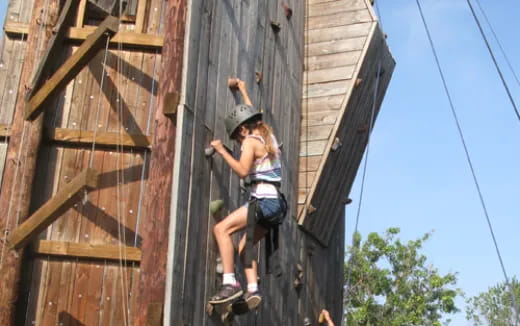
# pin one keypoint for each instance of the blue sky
(418, 178)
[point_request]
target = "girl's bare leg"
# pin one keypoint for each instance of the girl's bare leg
(223, 230)
(251, 273)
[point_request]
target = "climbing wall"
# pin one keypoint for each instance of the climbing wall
(262, 44)
(83, 268)
(347, 70)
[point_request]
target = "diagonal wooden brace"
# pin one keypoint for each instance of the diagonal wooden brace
(53, 208)
(71, 68)
(47, 61)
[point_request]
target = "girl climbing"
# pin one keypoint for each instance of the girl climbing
(264, 212)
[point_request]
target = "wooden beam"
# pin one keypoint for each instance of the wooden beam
(125, 38)
(155, 221)
(111, 139)
(17, 190)
(80, 18)
(54, 208)
(141, 12)
(16, 28)
(128, 39)
(48, 60)
(87, 250)
(72, 66)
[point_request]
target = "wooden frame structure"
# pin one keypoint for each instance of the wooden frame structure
(123, 109)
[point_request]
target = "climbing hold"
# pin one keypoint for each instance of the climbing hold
(288, 11)
(258, 77)
(336, 144)
(233, 82)
(209, 151)
(276, 26)
(215, 206)
(307, 322)
(311, 209)
(347, 201)
(363, 128)
(358, 82)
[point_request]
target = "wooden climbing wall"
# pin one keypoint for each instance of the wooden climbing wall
(250, 40)
(348, 67)
(83, 269)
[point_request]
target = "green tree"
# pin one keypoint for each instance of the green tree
(494, 307)
(390, 284)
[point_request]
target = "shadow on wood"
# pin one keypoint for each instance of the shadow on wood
(67, 319)
(110, 224)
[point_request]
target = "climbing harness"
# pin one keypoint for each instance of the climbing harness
(255, 217)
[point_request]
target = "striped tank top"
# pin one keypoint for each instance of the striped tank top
(266, 169)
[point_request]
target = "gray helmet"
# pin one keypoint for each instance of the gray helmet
(240, 114)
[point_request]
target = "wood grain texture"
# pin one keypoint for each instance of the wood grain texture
(45, 215)
(86, 250)
(101, 138)
(15, 194)
(155, 222)
(72, 66)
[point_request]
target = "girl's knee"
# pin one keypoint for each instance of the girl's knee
(219, 229)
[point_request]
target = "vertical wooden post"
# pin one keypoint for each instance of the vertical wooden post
(154, 224)
(19, 170)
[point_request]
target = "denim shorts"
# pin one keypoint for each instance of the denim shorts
(271, 211)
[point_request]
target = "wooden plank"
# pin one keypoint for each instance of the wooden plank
(72, 66)
(336, 46)
(337, 33)
(312, 148)
(112, 139)
(324, 103)
(326, 89)
(53, 51)
(328, 75)
(332, 60)
(327, 8)
(339, 19)
(156, 218)
(125, 38)
(52, 209)
(319, 118)
(12, 28)
(140, 17)
(86, 250)
(16, 191)
(80, 18)
(313, 133)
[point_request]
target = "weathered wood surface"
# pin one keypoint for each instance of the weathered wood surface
(338, 172)
(72, 66)
(92, 291)
(86, 250)
(54, 208)
(128, 39)
(15, 194)
(114, 140)
(155, 222)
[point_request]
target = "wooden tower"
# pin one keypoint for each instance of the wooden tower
(106, 109)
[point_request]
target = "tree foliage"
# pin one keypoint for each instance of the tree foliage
(495, 306)
(390, 283)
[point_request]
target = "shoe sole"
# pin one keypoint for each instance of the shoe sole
(253, 302)
(228, 299)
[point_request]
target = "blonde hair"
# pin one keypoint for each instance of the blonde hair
(265, 131)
